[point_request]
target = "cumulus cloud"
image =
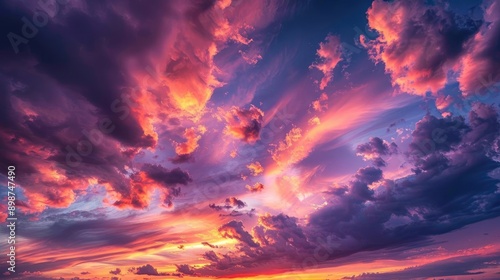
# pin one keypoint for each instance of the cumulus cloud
(320, 103)
(244, 124)
(235, 230)
(480, 67)
(440, 190)
(418, 43)
(374, 149)
(145, 270)
(185, 269)
(433, 135)
(330, 54)
(92, 123)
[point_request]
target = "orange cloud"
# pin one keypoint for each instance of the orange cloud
(256, 168)
(289, 151)
(192, 138)
(257, 187)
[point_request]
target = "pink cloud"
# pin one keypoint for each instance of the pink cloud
(330, 54)
(481, 66)
(418, 44)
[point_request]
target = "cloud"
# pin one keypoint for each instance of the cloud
(319, 104)
(451, 267)
(93, 121)
(152, 176)
(289, 150)
(433, 135)
(436, 199)
(330, 54)
(281, 241)
(244, 124)
(256, 168)
(375, 148)
(185, 269)
(211, 256)
(146, 270)
(280, 230)
(235, 230)
(480, 67)
(418, 43)
(209, 245)
(117, 271)
(233, 201)
(230, 202)
(371, 213)
(192, 137)
(166, 177)
(257, 187)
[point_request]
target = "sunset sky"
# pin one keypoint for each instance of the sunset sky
(251, 139)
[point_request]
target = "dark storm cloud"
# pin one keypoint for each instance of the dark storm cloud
(145, 270)
(63, 233)
(209, 245)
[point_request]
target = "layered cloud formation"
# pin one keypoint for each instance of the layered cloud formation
(252, 139)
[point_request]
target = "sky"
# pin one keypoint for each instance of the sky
(251, 139)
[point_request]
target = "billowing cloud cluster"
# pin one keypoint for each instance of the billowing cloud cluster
(420, 44)
(371, 212)
(103, 101)
(101, 108)
(235, 229)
